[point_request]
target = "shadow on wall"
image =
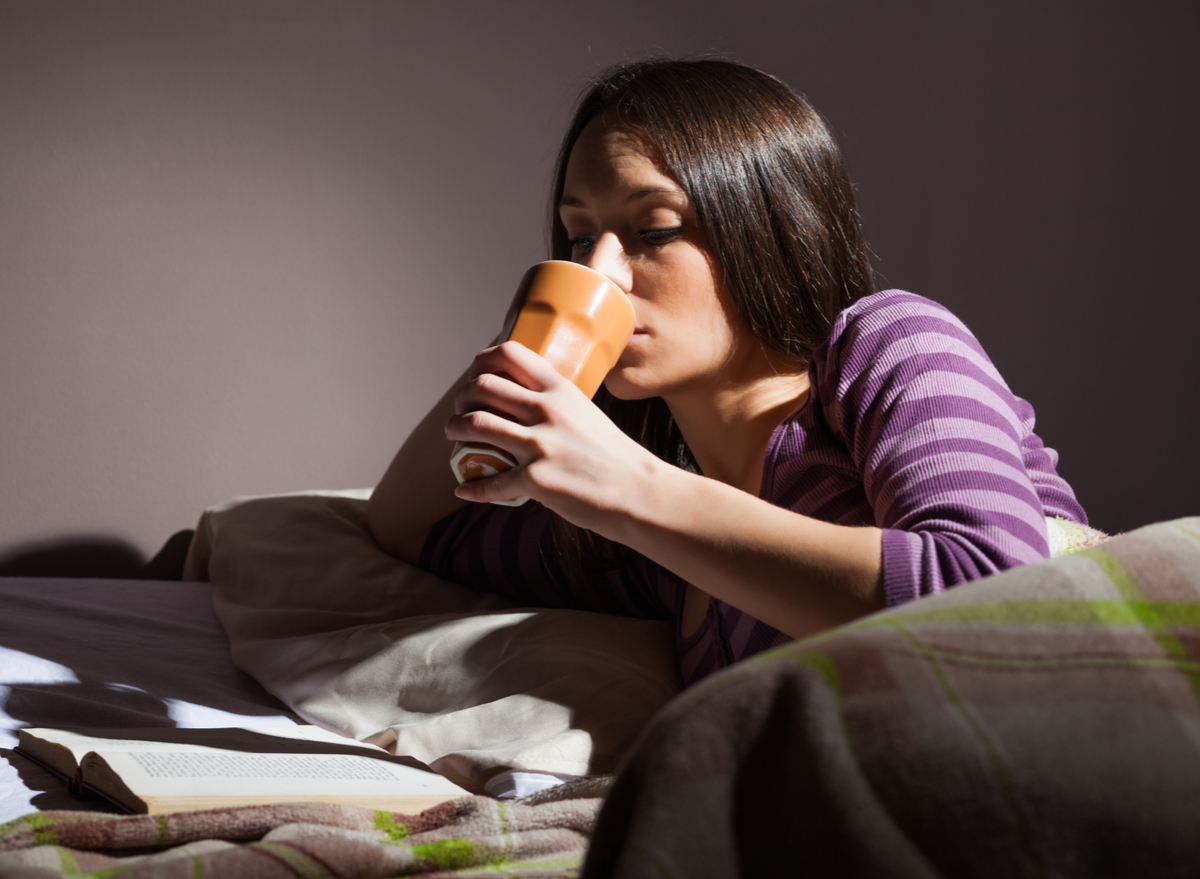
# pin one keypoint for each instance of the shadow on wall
(104, 557)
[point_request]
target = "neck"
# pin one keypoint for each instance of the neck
(728, 425)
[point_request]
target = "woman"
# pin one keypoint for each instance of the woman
(779, 449)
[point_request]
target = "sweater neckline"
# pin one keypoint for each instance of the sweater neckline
(778, 435)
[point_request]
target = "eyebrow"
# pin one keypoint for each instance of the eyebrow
(569, 202)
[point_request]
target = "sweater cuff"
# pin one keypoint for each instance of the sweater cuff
(901, 566)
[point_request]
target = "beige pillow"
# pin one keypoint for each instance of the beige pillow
(361, 643)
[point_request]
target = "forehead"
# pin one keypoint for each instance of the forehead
(612, 154)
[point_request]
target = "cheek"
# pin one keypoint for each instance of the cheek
(701, 323)
(690, 323)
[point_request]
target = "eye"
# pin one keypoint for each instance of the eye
(582, 244)
(660, 236)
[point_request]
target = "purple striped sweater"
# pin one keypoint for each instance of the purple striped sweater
(908, 427)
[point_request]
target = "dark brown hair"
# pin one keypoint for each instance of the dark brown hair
(771, 196)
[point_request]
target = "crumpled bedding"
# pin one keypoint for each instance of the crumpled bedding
(1041, 722)
(537, 838)
(363, 644)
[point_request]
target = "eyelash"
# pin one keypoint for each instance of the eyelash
(660, 236)
(653, 237)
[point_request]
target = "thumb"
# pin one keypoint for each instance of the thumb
(504, 489)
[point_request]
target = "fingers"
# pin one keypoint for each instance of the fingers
(514, 360)
(501, 396)
(492, 429)
(511, 394)
(479, 425)
(509, 380)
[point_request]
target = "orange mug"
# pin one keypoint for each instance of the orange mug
(577, 319)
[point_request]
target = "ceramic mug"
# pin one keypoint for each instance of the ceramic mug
(578, 320)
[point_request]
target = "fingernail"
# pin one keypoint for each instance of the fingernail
(465, 492)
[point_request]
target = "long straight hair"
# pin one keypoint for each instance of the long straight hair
(772, 198)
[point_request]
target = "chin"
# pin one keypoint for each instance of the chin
(623, 389)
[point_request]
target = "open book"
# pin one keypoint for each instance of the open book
(150, 771)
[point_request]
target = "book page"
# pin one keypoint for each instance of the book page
(50, 754)
(77, 745)
(252, 739)
(160, 773)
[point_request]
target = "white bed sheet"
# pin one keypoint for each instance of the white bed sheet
(112, 653)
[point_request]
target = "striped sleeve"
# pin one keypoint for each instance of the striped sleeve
(511, 552)
(947, 453)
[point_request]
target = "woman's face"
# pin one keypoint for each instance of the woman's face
(628, 219)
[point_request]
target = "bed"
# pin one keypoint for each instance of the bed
(505, 701)
(1045, 721)
(112, 653)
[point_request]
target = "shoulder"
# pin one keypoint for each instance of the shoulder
(894, 330)
(894, 357)
(883, 318)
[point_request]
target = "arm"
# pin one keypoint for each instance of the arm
(418, 488)
(958, 483)
(494, 548)
(790, 571)
(906, 390)
(945, 449)
(795, 573)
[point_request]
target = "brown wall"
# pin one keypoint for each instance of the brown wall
(243, 245)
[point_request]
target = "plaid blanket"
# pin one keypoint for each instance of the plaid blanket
(542, 836)
(1042, 722)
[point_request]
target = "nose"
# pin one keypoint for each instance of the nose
(608, 257)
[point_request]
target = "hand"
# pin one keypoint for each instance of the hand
(570, 456)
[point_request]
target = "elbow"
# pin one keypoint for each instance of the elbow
(927, 562)
(390, 534)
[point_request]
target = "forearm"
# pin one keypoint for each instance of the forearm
(798, 574)
(794, 573)
(418, 488)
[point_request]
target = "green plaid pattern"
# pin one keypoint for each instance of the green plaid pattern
(1041, 722)
(470, 836)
